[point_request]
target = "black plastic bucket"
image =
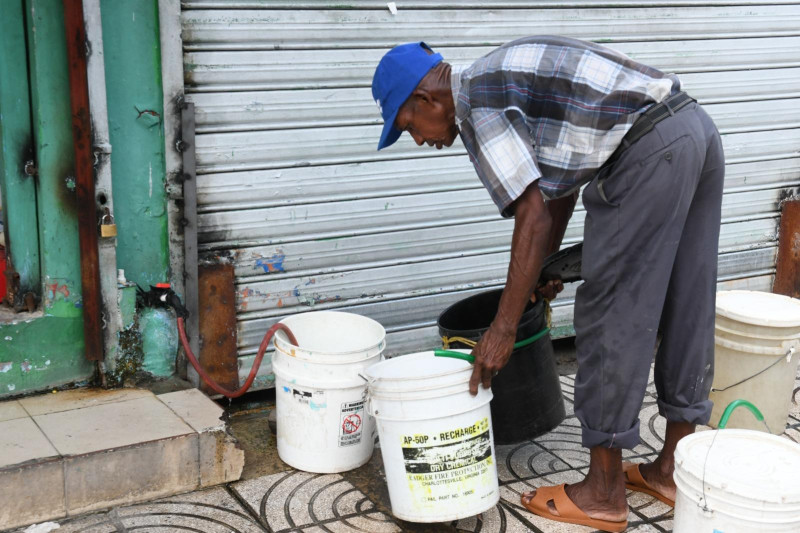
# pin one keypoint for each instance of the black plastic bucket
(527, 393)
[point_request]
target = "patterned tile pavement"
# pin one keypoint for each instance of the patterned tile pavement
(289, 501)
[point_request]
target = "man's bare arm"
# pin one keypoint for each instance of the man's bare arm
(560, 211)
(532, 234)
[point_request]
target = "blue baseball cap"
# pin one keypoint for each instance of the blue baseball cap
(398, 74)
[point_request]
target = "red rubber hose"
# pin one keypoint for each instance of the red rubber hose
(256, 363)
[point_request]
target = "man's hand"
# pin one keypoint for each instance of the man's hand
(491, 354)
(549, 290)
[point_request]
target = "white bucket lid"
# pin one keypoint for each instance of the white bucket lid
(759, 308)
(418, 371)
(756, 466)
(332, 337)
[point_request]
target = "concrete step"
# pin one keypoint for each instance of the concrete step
(71, 452)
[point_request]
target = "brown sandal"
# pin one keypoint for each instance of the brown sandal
(568, 512)
(636, 482)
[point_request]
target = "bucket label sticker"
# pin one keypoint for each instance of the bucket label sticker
(448, 465)
(352, 420)
(314, 399)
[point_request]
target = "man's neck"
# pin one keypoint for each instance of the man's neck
(439, 78)
(455, 85)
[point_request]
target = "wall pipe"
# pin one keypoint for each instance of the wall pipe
(84, 180)
(169, 26)
(190, 269)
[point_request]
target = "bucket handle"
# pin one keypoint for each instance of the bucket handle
(723, 421)
(787, 356)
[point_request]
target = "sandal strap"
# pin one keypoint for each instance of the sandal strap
(565, 506)
(635, 476)
(545, 494)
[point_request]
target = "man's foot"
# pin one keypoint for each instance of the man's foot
(656, 477)
(559, 504)
(597, 501)
(598, 506)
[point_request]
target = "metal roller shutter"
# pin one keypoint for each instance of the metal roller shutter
(293, 192)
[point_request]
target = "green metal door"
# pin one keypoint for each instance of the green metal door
(44, 348)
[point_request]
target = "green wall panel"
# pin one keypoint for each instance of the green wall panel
(58, 224)
(133, 88)
(18, 189)
(42, 353)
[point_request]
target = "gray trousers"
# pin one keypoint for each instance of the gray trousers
(649, 266)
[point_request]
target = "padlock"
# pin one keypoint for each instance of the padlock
(107, 226)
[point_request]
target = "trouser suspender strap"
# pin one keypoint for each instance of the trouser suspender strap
(647, 121)
(643, 125)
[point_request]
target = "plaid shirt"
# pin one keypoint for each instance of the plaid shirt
(551, 109)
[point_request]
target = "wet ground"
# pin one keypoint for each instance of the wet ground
(271, 496)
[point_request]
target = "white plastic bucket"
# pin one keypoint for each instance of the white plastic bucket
(322, 422)
(746, 481)
(436, 438)
(756, 354)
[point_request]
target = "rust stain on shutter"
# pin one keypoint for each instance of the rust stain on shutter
(217, 303)
(787, 274)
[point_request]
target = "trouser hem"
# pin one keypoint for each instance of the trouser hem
(697, 413)
(629, 439)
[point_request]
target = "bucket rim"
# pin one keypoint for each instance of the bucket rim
(395, 394)
(364, 354)
(430, 416)
(761, 336)
(280, 338)
(529, 316)
(787, 347)
(373, 379)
